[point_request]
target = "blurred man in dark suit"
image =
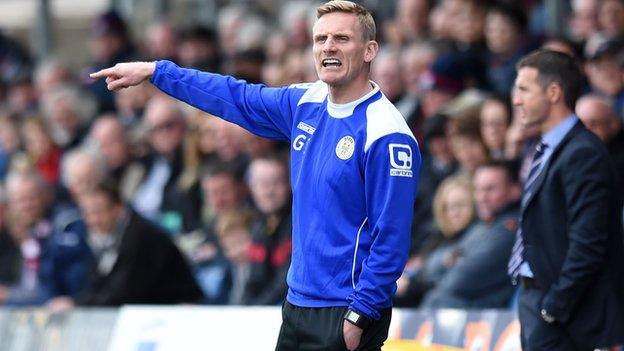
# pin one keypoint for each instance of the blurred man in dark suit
(569, 255)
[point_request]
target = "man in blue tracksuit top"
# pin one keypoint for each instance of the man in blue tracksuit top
(354, 172)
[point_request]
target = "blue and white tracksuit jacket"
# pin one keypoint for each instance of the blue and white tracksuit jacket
(354, 173)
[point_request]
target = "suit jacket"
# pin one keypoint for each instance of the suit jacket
(149, 270)
(572, 232)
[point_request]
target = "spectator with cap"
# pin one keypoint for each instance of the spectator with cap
(604, 71)
(109, 43)
(443, 82)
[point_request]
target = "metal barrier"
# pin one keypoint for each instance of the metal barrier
(189, 328)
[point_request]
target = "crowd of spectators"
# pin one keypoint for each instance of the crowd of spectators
(131, 197)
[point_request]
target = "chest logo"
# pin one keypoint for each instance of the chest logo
(345, 147)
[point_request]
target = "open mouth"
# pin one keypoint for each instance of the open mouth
(331, 62)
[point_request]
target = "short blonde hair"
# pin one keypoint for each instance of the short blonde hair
(369, 31)
(439, 201)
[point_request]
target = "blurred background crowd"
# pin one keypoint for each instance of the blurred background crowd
(131, 197)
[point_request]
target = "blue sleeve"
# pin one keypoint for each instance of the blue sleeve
(392, 166)
(267, 112)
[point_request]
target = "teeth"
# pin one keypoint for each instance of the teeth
(327, 62)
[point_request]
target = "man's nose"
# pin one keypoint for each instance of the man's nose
(329, 45)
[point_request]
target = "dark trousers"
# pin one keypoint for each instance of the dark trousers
(537, 335)
(321, 329)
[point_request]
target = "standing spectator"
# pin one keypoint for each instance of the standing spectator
(569, 254)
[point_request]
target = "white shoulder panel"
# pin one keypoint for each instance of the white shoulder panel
(316, 93)
(382, 119)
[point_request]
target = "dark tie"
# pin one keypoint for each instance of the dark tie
(517, 257)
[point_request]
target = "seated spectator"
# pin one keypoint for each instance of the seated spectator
(233, 231)
(611, 18)
(9, 142)
(505, 26)
(134, 261)
(160, 196)
(80, 171)
(438, 162)
(223, 192)
(495, 116)
(479, 277)
(272, 244)
(198, 49)
(51, 256)
(467, 145)
(453, 211)
(68, 112)
(112, 142)
(597, 114)
(42, 152)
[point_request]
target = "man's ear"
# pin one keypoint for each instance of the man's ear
(372, 47)
(554, 92)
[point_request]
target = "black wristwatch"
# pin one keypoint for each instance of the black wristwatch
(358, 319)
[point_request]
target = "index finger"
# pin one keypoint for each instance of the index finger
(106, 72)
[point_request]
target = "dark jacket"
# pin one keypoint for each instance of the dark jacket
(479, 279)
(572, 233)
(149, 270)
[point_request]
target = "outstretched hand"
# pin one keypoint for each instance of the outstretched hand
(124, 75)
